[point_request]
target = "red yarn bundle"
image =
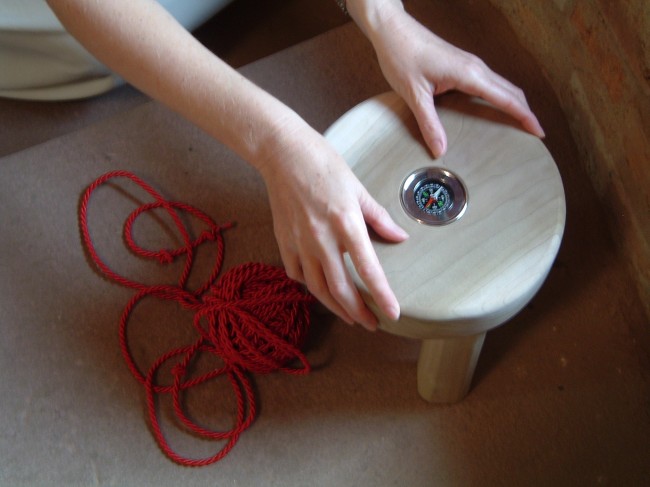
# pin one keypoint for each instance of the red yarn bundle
(254, 319)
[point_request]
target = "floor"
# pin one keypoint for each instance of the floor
(561, 395)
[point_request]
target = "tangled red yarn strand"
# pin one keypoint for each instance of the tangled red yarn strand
(254, 319)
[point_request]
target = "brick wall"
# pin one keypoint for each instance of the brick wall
(596, 55)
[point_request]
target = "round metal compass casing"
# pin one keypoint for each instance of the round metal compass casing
(433, 196)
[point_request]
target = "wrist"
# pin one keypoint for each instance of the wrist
(373, 15)
(275, 149)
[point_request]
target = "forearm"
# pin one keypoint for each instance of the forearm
(320, 209)
(140, 41)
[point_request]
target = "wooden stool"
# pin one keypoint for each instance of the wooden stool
(485, 224)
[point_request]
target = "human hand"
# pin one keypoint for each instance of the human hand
(320, 211)
(418, 65)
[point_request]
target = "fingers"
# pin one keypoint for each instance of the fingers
(369, 269)
(320, 213)
(418, 65)
(422, 106)
(328, 279)
(481, 81)
(363, 255)
(329, 287)
(485, 84)
(378, 218)
(321, 267)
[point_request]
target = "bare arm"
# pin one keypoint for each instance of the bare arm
(418, 65)
(320, 209)
(139, 40)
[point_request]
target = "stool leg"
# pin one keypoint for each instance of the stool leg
(446, 366)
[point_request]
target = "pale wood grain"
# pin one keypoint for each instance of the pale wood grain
(457, 281)
(446, 367)
(473, 274)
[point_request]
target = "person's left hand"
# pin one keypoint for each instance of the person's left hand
(419, 65)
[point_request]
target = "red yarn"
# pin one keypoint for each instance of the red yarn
(254, 319)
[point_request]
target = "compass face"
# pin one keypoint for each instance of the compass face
(433, 197)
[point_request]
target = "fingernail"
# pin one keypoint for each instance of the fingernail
(370, 323)
(537, 129)
(402, 233)
(438, 148)
(369, 327)
(393, 313)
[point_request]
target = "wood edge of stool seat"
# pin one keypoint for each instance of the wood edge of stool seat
(426, 328)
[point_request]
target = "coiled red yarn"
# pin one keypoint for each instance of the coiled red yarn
(254, 318)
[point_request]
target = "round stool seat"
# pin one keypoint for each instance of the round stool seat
(500, 218)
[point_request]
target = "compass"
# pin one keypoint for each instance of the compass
(433, 196)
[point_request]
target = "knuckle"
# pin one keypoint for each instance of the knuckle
(339, 290)
(315, 228)
(294, 274)
(474, 67)
(343, 222)
(378, 212)
(366, 269)
(317, 288)
(422, 100)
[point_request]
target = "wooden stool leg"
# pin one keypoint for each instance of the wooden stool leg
(446, 366)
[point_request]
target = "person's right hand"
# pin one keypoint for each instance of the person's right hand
(320, 211)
